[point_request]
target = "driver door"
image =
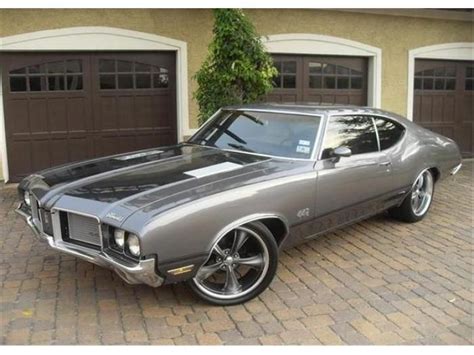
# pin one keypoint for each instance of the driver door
(350, 188)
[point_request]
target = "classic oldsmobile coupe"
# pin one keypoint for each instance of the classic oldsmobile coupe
(217, 209)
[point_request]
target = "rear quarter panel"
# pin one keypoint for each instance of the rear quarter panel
(421, 149)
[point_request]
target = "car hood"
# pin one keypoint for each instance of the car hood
(113, 188)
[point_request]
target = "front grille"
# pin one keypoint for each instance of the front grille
(83, 229)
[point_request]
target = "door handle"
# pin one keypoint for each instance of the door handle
(386, 163)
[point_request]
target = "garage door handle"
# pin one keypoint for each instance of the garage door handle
(386, 163)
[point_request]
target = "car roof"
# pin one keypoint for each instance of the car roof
(311, 108)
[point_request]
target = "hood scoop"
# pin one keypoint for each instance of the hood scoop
(213, 169)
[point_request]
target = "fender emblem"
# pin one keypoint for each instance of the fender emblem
(114, 216)
(303, 213)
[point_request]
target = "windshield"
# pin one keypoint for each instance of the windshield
(277, 134)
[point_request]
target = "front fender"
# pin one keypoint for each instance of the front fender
(189, 231)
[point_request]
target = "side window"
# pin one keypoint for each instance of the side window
(389, 132)
(354, 132)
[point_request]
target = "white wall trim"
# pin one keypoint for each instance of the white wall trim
(447, 51)
(103, 39)
(315, 44)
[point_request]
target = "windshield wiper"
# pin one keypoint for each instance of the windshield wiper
(252, 118)
(240, 147)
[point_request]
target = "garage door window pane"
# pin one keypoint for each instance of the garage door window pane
(451, 71)
(18, 71)
(289, 67)
(37, 83)
(36, 69)
(73, 66)
(107, 82)
(343, 82)
(56, 67)
(160, 80)
(55, 83)
(342, 70)
(315, 68)
(124, 66)
(315, 82)
(329, 68)
(439, 84)
(469, 78)
(125, 81)
(427, 84)
(289, 82)
(74, 82)
(356, 82)
(106, 66)
(331, 76)
(450, 84)
(144, 68)
(439, 71)
(17, 83)
(469, 84)
(329, 82)
(37, 79)
(417, 83)
(276, 81)
(143, 81)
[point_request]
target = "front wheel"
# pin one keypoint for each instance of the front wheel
(240, 266)
(416, 205)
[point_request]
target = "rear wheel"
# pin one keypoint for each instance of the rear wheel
(240, 266)
(416, 205)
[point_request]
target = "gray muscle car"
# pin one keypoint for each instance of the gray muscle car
(216, 210)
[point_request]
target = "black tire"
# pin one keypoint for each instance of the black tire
(405, 211)
(263, 280)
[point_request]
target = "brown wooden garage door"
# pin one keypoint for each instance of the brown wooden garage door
(443, 100)
(318, 79)
(63, 107)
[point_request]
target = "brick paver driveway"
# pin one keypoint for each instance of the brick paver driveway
(376, 282)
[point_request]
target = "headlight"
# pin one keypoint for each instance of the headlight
(27, 199)
(119, 237)
(133, 245)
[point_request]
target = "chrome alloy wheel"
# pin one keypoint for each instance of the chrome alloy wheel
(422, 193)
(236, 266)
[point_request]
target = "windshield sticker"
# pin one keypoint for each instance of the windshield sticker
(139, 155)
(303, 142)
(302, 149)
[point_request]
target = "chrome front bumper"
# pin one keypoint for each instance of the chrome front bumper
(141, 273)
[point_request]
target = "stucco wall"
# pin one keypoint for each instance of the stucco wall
(395, 35)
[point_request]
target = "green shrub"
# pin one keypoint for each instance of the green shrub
(237, 69)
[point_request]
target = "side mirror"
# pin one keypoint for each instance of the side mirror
(340, 152)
